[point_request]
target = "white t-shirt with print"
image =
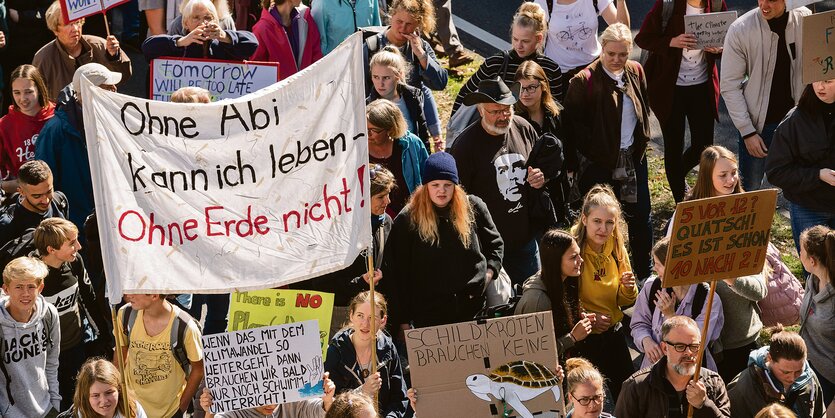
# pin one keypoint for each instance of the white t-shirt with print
(693, 70)
(572, 32)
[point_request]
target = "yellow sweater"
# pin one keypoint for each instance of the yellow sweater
(600, 289)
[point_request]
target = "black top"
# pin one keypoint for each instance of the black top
(394, 163)
(780, 99)
(493, 168)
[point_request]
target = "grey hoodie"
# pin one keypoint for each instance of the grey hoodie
(30, 356)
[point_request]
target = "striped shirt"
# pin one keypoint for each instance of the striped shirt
(493, 65)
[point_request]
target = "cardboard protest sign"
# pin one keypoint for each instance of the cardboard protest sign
(818, 47)
(223, 79)
(78, 9)
(793, 4)
(709, 28)
(719, 238)
(243, 194)
(466, 369)
(263, 366)
(261, 308)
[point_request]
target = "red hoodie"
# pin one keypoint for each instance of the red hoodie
(18, 133)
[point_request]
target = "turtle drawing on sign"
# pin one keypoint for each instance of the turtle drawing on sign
(515, 383)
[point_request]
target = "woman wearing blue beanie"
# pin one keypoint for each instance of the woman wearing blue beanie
(442, 251)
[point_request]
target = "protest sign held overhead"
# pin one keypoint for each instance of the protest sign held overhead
(261, 308)
(263, 366)
(719, 238)
(709, 28)
(242, 194)
(818, 47)
(223, 79)
(471, 368)
(73, 10)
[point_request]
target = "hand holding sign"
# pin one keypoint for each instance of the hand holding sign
(684, 41)
(372, 384)
(112, 46)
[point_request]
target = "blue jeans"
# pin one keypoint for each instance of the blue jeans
(804, 218)
(522, 262)
(752, 169)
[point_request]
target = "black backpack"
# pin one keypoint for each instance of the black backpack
(177, 337)
(17, 247)
(698, 299)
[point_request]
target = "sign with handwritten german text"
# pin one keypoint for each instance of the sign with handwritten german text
(263, 366)
(719, 238)
(818, 47)
(709, 28)
(482, 369)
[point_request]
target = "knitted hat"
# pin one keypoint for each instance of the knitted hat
(439, 166)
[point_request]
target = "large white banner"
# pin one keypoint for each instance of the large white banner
(242, 194)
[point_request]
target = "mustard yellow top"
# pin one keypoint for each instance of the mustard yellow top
(600, 288)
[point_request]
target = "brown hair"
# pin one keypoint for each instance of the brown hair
(424, 218)
(578, 370)
(785, 344)
(34, 172)
(384, 114)
(349, 405)
(562, 294)
(30, 72)
(660, 249)
(53, 232)
(530, 70)
(602, 195)
(99, 370)
(422, 11)
(704, 182)
(819, 243)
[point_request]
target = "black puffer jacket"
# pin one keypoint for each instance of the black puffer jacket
(801, 147)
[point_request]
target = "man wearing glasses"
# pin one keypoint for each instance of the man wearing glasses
(667, 388)
(491, 156)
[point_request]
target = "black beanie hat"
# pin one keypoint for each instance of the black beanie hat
(439, 166)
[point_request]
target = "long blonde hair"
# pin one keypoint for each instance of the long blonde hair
(99, 370)
(425, 219)
(602, 195)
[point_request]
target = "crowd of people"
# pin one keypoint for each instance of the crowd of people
(540, 187)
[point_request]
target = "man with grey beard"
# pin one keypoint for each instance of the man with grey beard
(492, 164)
(666, 389)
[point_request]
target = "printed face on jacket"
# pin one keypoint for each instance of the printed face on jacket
(510, 175)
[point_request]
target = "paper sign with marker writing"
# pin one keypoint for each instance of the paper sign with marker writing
(223, 79)
(484, 368)
(709, 28)
(818, 47)
(78, 9)
(263, 366)
(719, 238)
(261, 308)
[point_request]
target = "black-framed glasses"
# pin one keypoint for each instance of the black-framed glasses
(506, 112)
(694, 348)
(531, 89)
(586, 400)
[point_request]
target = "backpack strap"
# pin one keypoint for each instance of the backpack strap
(503, 71)
(699, 300)
(550, 5)
(178, 333)
(656, 286)
(128, 319)
(596, 7)
(716, 5)
(3, 368)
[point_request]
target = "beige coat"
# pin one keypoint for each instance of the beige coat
(748, 62)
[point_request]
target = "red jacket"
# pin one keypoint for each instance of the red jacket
(274, 45)
(663, 64)
(18, 133)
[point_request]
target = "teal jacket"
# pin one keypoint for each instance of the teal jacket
(338, 19)
(413, 157)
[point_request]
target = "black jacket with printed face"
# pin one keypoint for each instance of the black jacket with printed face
(801, 147)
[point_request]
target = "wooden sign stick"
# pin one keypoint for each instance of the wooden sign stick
(703, 345)
(118, 356)
(370, 259)
(104, 15)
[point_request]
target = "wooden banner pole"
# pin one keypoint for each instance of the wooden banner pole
(703, 345)
(119, 356)
(371, 301)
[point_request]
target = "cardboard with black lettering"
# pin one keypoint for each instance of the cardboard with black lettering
(263, 366)
(486, 368)
(223, 79)
(719, 238)
(818, 58)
